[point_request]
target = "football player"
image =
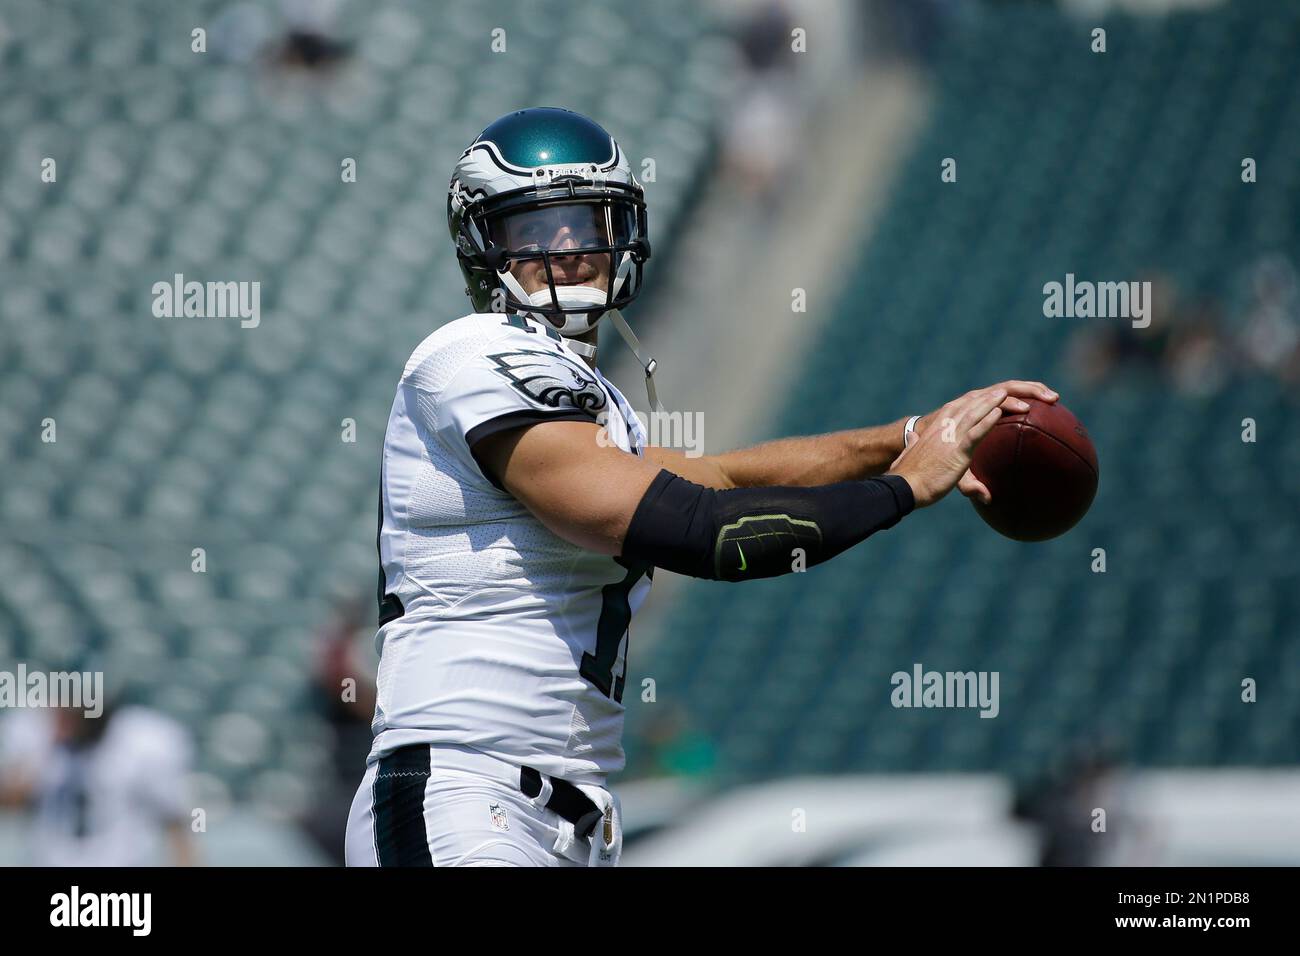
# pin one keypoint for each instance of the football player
(523, 512)
(111, 790)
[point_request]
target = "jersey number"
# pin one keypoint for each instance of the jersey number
(615, 615)
(517, 322)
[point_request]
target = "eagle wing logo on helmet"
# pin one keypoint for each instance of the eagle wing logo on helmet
(549, 380)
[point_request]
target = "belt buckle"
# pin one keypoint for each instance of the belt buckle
(586, 825)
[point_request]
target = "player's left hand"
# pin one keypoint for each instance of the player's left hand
(1013, 404)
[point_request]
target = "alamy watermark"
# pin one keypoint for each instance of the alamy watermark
(956, 689)
(682, 430)
(208, 300)
(133, 911)
(73, 690)
(1081, 299)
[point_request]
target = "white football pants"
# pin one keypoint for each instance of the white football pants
(447, 805)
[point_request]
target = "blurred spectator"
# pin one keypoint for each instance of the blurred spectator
(1064, 805)
(305, 39)
(309, 42)
(1183, 343)
(760, 142)
(764, 37)
(343, 693)
(1270, 337)
(1104, 347)
(106, 791)
(1193, 345)
(1196, 358)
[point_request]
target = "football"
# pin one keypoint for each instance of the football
(1040, 468)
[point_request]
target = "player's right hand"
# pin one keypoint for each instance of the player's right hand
(938, 457)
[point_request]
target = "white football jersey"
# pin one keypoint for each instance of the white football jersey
(494, 632)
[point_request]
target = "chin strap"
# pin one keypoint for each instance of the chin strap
(586, 350)
(634, 344)
(624, 330)
(514, 288)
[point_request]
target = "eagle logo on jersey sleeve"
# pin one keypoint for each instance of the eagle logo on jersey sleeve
(550, 380)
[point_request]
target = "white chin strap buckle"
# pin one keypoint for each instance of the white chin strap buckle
(650, 365)
(585, 349)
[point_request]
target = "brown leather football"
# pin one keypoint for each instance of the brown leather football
(1041, 469)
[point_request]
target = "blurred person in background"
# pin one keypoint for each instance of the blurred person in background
(303, 38)
(309, 42)
(1065, 805)
(1269, 340)
(1197, 358)
(343, 694)
(1198, 344)
(1101, 349)
(106, 791)
(758, 150)
(1183, 342)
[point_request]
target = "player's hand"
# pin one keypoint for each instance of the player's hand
(1013, 404)
(937, 458)
(973, 488)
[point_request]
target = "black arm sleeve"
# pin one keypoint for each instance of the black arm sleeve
(743, 533)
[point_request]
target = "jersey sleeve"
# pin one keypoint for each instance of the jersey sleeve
(164, 755)
(509, 386)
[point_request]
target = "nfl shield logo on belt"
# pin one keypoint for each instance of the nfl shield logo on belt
(498, 813)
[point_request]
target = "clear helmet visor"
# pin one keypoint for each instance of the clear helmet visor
(571, 227)
(564, 258)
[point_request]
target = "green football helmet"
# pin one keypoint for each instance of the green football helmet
(545, 197)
